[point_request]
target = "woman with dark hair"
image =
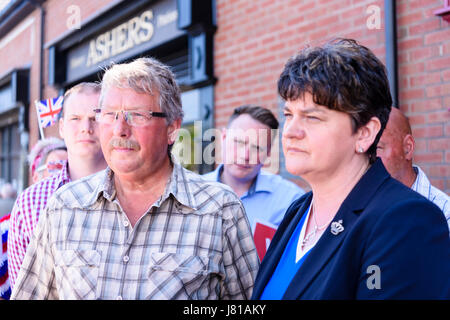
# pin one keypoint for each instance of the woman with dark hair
(359, 234)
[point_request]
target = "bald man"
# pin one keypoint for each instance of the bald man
(396, 149)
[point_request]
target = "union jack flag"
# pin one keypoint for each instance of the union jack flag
(48, 111)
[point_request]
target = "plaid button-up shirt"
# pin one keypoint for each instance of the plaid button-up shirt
(195, 242)
(25, 215)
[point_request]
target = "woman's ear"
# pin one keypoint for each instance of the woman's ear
(367, 134)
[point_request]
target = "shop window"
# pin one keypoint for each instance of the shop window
(193, 147)
(14, 102)
(6, 99)
(10, 154)
(178, 61)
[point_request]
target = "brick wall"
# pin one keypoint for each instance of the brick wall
(20, 49)
(424, 80)
(255, 38)
(60, 14)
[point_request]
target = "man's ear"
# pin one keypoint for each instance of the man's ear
(172, 131)
(408, 146)
(61, 128)
(368, 133)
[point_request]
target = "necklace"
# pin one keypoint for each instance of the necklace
(316, 228)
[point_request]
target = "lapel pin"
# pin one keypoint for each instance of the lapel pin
(337, 227)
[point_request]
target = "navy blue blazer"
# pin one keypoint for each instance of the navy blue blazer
(395, 245)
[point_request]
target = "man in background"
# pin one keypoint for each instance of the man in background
(396, 150)
(79, 130)
(246, 144)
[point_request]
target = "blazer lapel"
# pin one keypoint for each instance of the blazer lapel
(328, 244)
(278, 244)
(320, 254)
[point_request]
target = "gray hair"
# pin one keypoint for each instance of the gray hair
(146, 75)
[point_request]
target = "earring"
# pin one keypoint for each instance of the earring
(360, 149)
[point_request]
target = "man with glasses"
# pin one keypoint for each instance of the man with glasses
(246, 144)
(78, 128)
(150, 229)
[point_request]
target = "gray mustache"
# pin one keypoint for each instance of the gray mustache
(122, 143)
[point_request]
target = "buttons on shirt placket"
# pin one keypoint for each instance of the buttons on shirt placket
(125, 258)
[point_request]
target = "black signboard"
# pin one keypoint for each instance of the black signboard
(140, 32)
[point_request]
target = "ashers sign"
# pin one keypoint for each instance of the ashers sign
(123, 37)
(143, 31)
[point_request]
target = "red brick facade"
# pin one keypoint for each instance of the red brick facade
(255, 38)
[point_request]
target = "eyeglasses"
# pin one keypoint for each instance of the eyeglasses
(135, 118)
(52, 166)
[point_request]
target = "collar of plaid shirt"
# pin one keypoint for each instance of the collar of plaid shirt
(175, 181)
(63, 176)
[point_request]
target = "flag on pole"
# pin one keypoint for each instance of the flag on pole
(48, 111)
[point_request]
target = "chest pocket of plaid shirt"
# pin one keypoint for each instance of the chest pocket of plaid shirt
(76, 273)
(179, 276)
